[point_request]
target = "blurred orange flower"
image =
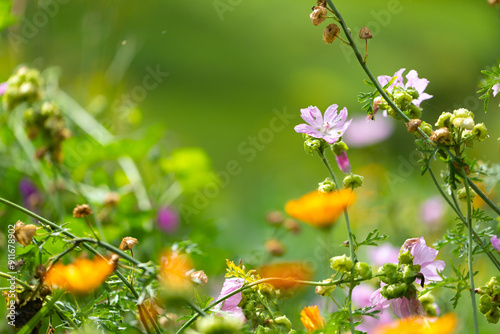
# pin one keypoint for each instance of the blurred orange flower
(311, 318)
(286, 274)
(420, 325)
(175, 269)
(80, 277)
(320, 209)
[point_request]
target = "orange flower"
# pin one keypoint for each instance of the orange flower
(311, 318)
(286, 273)
(174, 270)
(320, 209)
(82, 276)
(420, 325)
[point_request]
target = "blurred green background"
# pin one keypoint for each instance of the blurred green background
(233, 65)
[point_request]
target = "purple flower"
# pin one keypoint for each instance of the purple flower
(343, 162)
(230, 305)
(495, 242)
(168, 220)
(424, 256)
(404, 308)
(30, 194)
(363, 132)
(386, 253)
(496, 89)
(413, 81)
(3, 88)
(432, 210)
(331, 128)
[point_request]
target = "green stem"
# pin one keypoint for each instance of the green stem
(354, 260)
(470, 246)
(327, 165)
(483, 196)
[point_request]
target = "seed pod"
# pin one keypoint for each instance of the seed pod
(331, 31)
(365, 33)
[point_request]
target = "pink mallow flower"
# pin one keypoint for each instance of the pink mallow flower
(495, 242)
(168, 220)
(432, 210)
(496, 89)
(230, 305)
(361, 298)
(363, 132)
(330, 128)
(385, 253)
(413, 81)
(343, 162)
(3, 88)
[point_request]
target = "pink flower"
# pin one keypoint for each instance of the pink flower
(495, 242)
(3, 88)
(363, 132)
(496, 89)
(424, 256)
(432, 210)
(404, 308)
(413, 81)
(230, 305)
(361, 298)
(331, 128)
(343, 162)
(168, 220)
(385, 253)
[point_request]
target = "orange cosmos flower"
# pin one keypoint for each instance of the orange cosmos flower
(320, 209)
(420, 325)
(80, 277)
(311, 318)
(175, 269)
(286, 274)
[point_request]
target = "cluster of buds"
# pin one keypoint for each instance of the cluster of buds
(429, 304)
(399, 277)
(403, 98)
(47, 121)
(457, 128)
(313, 145)
(489, 303)
(345, 265)
(22, 86)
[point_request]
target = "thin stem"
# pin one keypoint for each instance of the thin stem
(327, 165)
(470, 246)
(91, 228)
(354, 260)
(483, 196)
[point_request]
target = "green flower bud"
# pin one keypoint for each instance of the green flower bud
(493, 316)
(444, 120)
(410, 273)
(324, 290)
(284, 321)
(405, 258)
(402, 99)
(341, 263)
(353, 181)
(427, 298)
(480, 131)
(311, 145)
(462, 194)
(426, 128)
(464, 123)
(326, 186)
(393, 291)
(262, 330)
(493, 283)
(363, 269)
(413, 112)
(389, 272)
(219, 325)
(413, 92)
(462, 113)
(485, 304)
(339, 147)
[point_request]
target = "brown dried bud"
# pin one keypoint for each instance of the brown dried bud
(111, 199)
(331, 31)
(413, 125)
(199, 277)
(114, 258)
(82, 210)
(275, 218)
(40, 272)
(292, 225)
(365, 33)
(24, 233)
(275, 247)
(45, 290)
(318, 15)
(127, 243)
(493, 2)
(441, 135)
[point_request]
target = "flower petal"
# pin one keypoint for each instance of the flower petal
(313, 116)
(331, 113)
(307, 129)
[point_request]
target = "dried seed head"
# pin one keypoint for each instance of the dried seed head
(292, 225)
(331, 31)
(24, 233)
(40, 272)
(365, 33)
(413, 125)
(441, 135)
(318, 15)
(275, 218)
(127, 243)
(275, 247)
(111, 199)
(493, 2)
(199, 277)
(82, 210)
(114, 258)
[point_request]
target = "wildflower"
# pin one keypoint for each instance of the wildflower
(424, 256)
(82, 276)
(318, 15)
(363, 132)
(404, 307)
(420, 325)
(127, 243)
(30, 194)
(286, 273)
(230, 305)
(432, 210)
(3, 88)
(361, 298)
(82, 210)
(331, 128)
(495, 242)
(168, 220)
(343, 162)
(496, 89)
(330, 33)
(413, 81)
(319, 209)
(174, 270)
(24, 233)
(312, 319)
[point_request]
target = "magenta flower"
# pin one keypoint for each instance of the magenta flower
(168, 220)
(385, 253)
(230, 305)
(495, 242)
(424, 256)
(30, 194)
(331, 128)
(413, 81)
(343, 162)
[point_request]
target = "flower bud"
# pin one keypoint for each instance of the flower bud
(111, 199)
(326, 186)
(292, 225)
(311, 145)
(413, 92)
(127, 243)
(402, 99)
(82, 210)
(410, 273)
(426, 128)
(275, 218)
(353, 181)
(462, 194)
(480, 131)
(413, 125)
(389, 272)
(284, 321)
(405, 257)
(461, 113)
(413, 111)
(464, 123)
(393, 291)
(318, 15)
(339, 147)
(275, 247)
(493, 315)
(199, 277)
(330, 33)
(341, 263)
(485, 304)
(24, 234)
(365, 33)
(216, 325)
(363, 269)
(444, 120)
(324, 290)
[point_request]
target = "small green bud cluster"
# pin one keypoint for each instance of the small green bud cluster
(353, 181)
(462, 194)
(428, 303)
(339, 147)
(403, 99)
(219, 325)
(22, 86)
(344, 264)
(399, 277)
(457, 127)
(326, 186)
(489, 302)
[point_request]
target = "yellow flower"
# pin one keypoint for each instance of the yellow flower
(286, 274)
(420, 325)
(82, 276)
(175, 269)
(320, 209)
(311, 319)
